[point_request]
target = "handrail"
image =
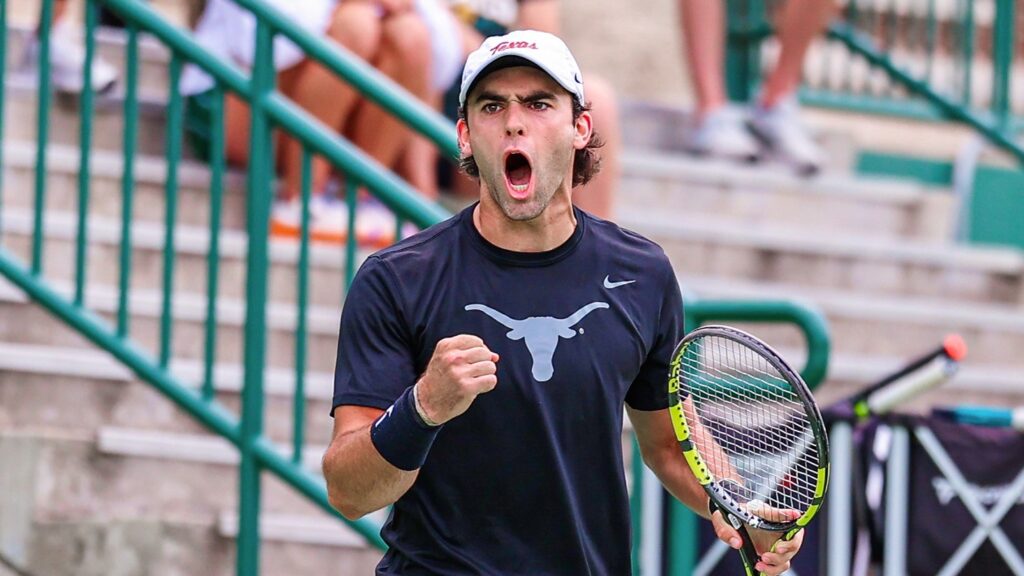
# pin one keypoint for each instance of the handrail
(862, 45)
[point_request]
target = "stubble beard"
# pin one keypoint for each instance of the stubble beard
(547, 184)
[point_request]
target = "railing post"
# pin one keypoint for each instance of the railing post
(1002, 61)
(967, 50)
(131, 117)
(260, 177)
(745, 21)
(85, 117)
(42, 131)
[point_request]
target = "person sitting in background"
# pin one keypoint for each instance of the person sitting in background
(389, 34)
(67, 57)
(720, 130)
(483, 18)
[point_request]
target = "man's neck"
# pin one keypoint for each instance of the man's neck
(546, 232)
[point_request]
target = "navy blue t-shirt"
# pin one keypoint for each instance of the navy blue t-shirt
(530, 479)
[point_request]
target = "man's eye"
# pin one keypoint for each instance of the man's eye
(491, 107)
(539, 105)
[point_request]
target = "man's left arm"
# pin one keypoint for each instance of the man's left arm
(661, 453)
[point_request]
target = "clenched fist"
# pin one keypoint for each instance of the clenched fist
(461, 368)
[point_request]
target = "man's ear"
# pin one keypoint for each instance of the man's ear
(462, 129)
(584, 131)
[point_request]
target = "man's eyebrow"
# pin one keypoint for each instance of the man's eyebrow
(535, 96)
(487, 96)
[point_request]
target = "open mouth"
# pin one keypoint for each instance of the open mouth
(518, 174)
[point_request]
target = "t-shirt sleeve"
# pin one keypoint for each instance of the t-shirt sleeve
(375, 357)
(649, 390)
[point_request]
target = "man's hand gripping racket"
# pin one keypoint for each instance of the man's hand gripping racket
(753, 437)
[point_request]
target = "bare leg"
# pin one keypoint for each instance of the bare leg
(236, 130)
(462, 186)
(324, 95)
(703, 24)
(405, 59)
(801, 22)
(598, 196)
(60, 7)
(419, 161)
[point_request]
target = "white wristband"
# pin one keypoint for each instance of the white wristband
(419, 407)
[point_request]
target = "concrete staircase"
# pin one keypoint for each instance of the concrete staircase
(102, 475)
(874, 255)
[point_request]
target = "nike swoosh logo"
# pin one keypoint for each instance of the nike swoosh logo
(609, 284)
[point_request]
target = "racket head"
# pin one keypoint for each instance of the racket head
(769, 450)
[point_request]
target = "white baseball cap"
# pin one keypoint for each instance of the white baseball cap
(540, 49)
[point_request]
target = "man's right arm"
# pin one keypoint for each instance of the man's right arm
(359, 479)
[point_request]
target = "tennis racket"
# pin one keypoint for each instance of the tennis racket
(923, 373)
(750, 432)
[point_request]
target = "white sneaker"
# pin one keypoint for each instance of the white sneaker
(722, 133)
(67, 62)
(375, 224)
(785, 133)
(330, 219)
(286, 218)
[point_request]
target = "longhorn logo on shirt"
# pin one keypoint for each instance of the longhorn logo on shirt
(541, 334)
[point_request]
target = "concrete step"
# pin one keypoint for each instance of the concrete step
(648, 124)
(111, 45)
(21, 110)
(875, 326)
(89, 389)
(703, 246)
(191, 247)
(33, 325)
(106, 171)
(105, 546)
(659, 182)
(111, 475)
(131, 547)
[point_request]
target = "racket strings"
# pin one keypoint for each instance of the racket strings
(756, 431)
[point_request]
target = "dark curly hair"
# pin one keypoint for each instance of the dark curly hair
(586, 162)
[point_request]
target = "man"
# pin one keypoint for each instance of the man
(483, 363)
(482, 18)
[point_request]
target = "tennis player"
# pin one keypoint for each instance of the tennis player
(483, 364)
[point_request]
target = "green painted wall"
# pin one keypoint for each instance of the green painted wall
(996, 211)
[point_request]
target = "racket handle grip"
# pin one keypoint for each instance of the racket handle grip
(927, 377)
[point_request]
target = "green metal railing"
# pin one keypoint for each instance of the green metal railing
(925, 59)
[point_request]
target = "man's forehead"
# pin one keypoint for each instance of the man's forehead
(517, 81)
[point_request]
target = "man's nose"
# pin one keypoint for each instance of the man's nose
(514, 125)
